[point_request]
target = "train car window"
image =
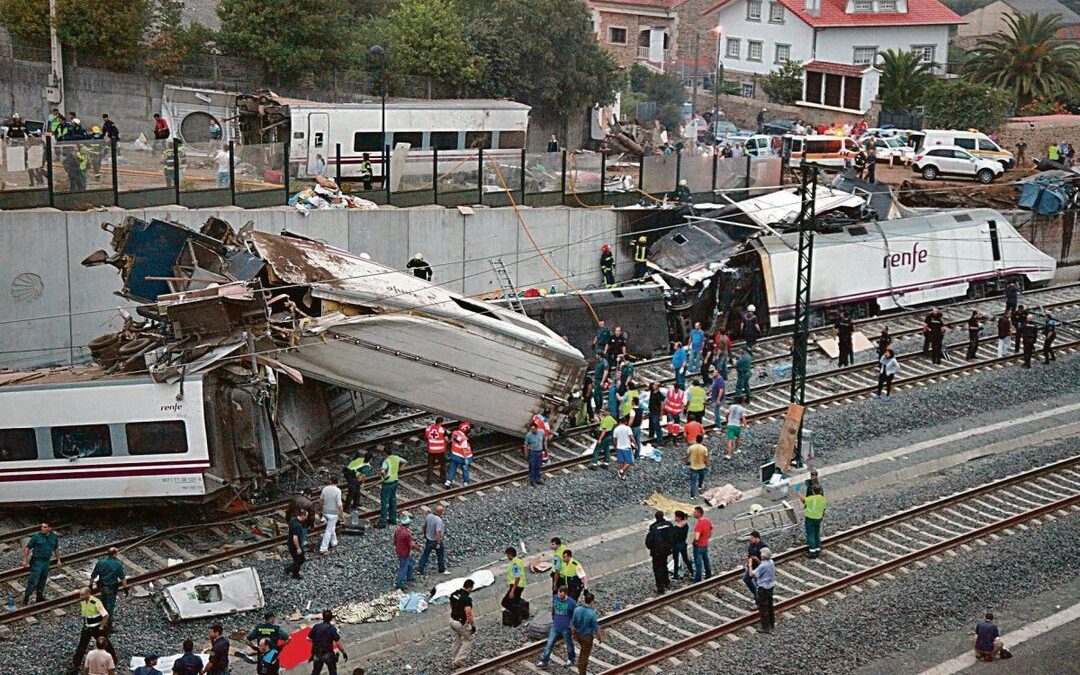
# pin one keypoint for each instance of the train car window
(514, 140)
(474, 307)
(156, 438)
(856, 231)
(444, 140)
(17, 445)
(82, 440)
(478, 139)
(995, 245)
(415, 139)
(367, 141)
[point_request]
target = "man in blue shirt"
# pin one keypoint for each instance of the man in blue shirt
(219, 652)
(323, 637)
(765, 574)
(678, 364)
(188, 664)
(987, 643)
(148, 667)
(697, 343)
(534, 453)
(585, 627)
(562, 611)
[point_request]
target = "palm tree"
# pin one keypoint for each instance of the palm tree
(1027, 59)
(903, 78)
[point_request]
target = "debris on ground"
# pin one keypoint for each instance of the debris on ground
(377, 610)
(326, 194)
(440, 595)
(213, 595)
(667, 504)
(722, 496)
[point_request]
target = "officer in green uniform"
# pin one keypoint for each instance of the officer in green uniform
(39, 550)
(355, 473)
(111, 577)
(515, 575)
(695, 407)
(603, 443)
(641, 250)
(743, 367)
(813, 513)
(268, 630)
(388, 494)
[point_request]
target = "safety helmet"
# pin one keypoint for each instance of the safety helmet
(642, 239)
(96, 129)
(605, 248)
(465, 426)
(418, 256)
(751, 308)
(15, 116)
(682, 182)
(77, 122)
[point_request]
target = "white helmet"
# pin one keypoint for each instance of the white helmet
(682, 182)
(751, 308)
(419, 256)
(77, 122)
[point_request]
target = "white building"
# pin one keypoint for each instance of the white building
(837, 41)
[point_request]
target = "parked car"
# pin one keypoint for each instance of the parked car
(722, 129)
(779, 127)
(952, 160)
(975, 142)
(891, 149)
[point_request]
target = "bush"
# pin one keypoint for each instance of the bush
(784, 85)
(958, 104)
(1043, 107)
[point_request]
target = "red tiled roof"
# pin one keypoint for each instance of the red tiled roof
(835, 68)
(654, 4)
(832, 14)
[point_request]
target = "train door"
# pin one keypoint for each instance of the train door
(318, 140)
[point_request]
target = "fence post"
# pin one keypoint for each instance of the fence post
(603, 175)
(49, 168)
(748, 160)
(563, 187)
(285, 174)
(715, 165)
(641, 173)
(480, 176)
(386, 172)
(337, 162)
(176, 170)
(435, 176)
(523, 176)
(678, 167)
(232, 174)
(115, 175)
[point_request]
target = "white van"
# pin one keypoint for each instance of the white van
(975, 142)
(831, 151)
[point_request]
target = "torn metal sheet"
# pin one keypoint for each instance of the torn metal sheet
(213, 595)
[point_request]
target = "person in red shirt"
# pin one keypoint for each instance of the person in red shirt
(702, 532)
(435, 435)
(693, 430)
(161, 127)
(403, 546)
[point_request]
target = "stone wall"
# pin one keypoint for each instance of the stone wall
(743, 112)
(1040, 132)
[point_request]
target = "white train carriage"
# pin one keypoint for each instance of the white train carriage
(873, 267)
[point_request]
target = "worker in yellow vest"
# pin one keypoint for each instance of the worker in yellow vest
(572, 575)
(95, 623)
(515, 577)
(391, 466)
(695, 406)
(356, 472)
(813, 513)
(641, 250)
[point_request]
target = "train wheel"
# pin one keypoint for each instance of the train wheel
(976, 290)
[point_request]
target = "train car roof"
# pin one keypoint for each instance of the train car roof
(414, 104)
(65, 375)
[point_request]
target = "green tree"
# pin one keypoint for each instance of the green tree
(298, 36)
(785, 84)
(957, 104)
(426, 38)
(113, 34)
(1027, 59)
(904, 77)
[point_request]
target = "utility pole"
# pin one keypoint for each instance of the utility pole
(54, 91)
(806, 222)
(697, 56)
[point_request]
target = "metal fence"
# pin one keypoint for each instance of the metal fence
(75, 175)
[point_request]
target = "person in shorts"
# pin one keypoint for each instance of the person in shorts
(625, 443)
(736, 420)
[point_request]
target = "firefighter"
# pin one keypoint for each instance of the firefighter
(460, 454)
(607, 266)
(641, 250)
(15, 127)
(682, 193)
(435, 435)
(420, 267)
(366, 173)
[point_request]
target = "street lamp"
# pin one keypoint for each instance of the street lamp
(380, 54)
(718, 73)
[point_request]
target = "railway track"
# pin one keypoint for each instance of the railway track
(500, 466)
(654, 635)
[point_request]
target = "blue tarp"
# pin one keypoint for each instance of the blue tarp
(1048, 193)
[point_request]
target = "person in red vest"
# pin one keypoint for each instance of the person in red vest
(460, 454)
(435, 435)
(675, 403)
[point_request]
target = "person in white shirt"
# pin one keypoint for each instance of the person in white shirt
(333, 509)
(624, 446)
(736, 420)
(222, 157)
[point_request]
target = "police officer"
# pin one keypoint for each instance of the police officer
(366, 173)
(641, 250)
(974, 327)
(1018, 318)
(1049, 335)
(15, 127)
(39, 550)
(844, 328)
(607, 265)
(571, 576)
(111, 577)
(268, 630)
(659, 541)
(95, 623)
(1029, 334)
(420, 267)
(935, 331)
(515, 578)
(355, 473)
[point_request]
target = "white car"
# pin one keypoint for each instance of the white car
(952, 160)
(891, 149)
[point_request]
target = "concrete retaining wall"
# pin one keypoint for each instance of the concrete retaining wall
(51, 306)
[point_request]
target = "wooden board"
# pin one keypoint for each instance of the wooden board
(789, 436)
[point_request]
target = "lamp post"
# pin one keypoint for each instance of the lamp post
(718, 73)
(380, 53)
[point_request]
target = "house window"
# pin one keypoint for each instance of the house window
(616, 36)
(734, 45)
(865, 56)
(886, 5)
(925, 52)
(747, 90)
(783, 53)
(864, 5)
(753, 51)
(776, 12)
(753, 10)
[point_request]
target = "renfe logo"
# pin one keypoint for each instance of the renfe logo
(173, 407)
(913, 259)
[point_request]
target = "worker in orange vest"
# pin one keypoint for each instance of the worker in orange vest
(674, 403)
(436, 450)
(460, 454)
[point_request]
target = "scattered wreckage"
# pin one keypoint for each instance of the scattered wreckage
(213, 595)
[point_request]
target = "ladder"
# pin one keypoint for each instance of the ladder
(506, 285)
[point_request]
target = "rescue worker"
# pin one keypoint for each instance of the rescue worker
(682, 193)
(602, 450)
(53, 122)
(111, 577)
(607, 265)
(435, 435)
(695, 406)
(751, 326)
(95, 624)
(109, 129)
(460, 454)
(15, 128)
(1017, 319)
(1029, 334)
(356, 472)
(1012, 296)
(843, 329)
(572, 575)
(1049, 335)
(169, 160)
(935, 331)
(626, 371)
(744, 368)
(516, 580)
(860, 164)
(366, 172)
(616, 346)
(600, 343)
(659, 541)
(82, 157)
(557, 548)
(39, 549)
(94, 150)
(268, 630)
(388, 472)
(974, 327)
(420, 267)
(674, 403)
(641, 251)
(813, 513)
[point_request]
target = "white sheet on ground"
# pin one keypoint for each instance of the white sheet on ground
(481, 578)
